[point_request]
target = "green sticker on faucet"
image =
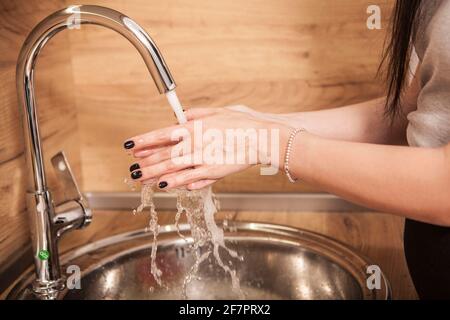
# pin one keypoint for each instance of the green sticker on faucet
(43, 254)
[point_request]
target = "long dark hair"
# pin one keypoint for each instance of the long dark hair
(397, 53)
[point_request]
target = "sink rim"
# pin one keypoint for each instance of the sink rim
(342, 254)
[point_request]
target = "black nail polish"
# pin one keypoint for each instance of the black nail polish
(129, 144)
(162, 184)
(136, 174)
(134, 167)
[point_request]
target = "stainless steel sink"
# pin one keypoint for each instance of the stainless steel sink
(279, 263)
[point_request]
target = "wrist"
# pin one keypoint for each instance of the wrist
(293, 145)
(285, 133)
(277, 139)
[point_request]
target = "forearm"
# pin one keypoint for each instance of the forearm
(413, 182)
(362, 122)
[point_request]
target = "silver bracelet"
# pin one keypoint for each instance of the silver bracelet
(288, 153)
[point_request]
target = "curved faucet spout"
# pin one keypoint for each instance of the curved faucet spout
(39, 200)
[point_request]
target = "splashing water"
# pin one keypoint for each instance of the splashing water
(200, 207)
(153, 227)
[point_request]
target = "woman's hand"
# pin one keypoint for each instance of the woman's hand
(214, 143)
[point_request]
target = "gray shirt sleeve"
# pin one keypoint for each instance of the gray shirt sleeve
(429, 125)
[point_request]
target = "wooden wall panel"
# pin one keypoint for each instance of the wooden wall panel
(277, 56)
(57, 114)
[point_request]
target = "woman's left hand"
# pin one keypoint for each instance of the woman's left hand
(176, 156)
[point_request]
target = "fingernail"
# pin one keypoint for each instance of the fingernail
(162, 184)
(134, 166)
(129, 144)
(136, 174)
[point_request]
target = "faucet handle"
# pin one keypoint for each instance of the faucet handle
(66, 178)
(73, 211)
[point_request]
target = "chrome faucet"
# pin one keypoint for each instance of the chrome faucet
(48, 221)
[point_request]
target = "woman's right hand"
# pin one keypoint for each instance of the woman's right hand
(155, 150)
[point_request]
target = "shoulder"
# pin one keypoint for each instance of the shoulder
(434, 22)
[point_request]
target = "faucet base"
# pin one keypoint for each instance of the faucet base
(48, 290)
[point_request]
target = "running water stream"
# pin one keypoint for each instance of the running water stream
(200, 207)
